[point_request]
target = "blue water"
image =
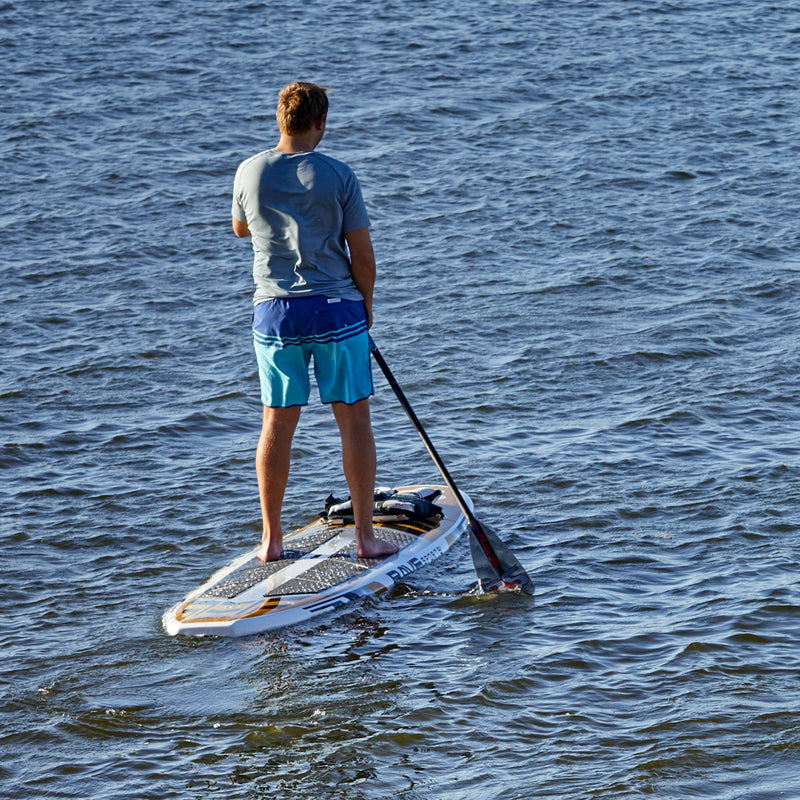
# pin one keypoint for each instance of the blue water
(585, 216)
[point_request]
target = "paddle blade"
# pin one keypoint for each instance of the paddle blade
(496, 566)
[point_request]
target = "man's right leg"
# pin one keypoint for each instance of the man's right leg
(358, 460)
(273, 457)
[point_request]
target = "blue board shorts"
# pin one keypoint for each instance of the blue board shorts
(287, 332)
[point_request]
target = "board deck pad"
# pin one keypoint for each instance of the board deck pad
(315, 578)
(319, 572)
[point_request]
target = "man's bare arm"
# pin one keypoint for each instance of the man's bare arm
(362, 265)
(240, 228)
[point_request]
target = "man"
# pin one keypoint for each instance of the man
(314, 270)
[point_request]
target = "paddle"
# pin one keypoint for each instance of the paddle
(496, 566)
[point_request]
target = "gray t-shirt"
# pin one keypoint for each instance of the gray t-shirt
(298, 206)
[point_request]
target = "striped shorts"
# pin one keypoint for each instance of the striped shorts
(287, 332)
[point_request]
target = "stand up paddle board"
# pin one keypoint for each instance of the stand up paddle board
(320, 570)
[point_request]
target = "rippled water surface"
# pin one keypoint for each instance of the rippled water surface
(585, 215)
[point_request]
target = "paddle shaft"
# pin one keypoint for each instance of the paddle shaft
(475, 526)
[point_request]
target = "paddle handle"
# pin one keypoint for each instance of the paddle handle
(462, 504)
(475, 526)
(510, 575)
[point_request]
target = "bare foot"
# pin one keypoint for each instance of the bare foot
(371, 547)
(271, 549)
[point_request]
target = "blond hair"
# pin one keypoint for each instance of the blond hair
(300, 105)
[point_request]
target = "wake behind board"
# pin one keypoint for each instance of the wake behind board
(319, 572)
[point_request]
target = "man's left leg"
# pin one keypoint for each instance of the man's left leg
(273, 458)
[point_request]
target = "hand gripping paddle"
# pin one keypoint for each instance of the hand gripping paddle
(496, 566)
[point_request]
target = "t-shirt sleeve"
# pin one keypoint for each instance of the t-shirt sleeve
(354, 209)
(237, 211)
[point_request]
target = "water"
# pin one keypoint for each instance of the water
(585, 217)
